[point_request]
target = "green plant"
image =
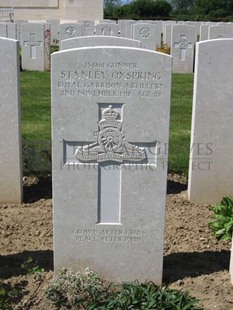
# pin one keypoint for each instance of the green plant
(86, 291)
(8, 295)
(31, 267)
(222, 224)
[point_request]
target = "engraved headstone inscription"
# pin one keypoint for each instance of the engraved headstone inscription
(110, 112)
(10, 142)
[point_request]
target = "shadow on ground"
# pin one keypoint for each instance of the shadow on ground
(174, 187)
(14, 265)
(177, 266)
(36, 188)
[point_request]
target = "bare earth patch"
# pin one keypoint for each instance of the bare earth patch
(194, 260)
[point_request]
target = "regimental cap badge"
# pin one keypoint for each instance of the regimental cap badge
(109, 119)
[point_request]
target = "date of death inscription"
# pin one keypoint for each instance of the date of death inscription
(109, 80)
(109, 235)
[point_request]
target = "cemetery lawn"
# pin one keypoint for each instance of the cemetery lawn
(194, 259)
(36, 116)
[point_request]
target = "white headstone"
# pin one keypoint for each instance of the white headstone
(3, 30)
(146, 33)
(211, 160)
(33, 47)
(220, 32)
(167, 35)
(106, 29)
(167, 22)
(98, 41)
(71, 30)
(11, 31)
(10, 129)
(182, 48)
(125, 27)
(197, 26)
(18, 29)
(109, 179)
(89, 27)
(159, 26)
(204, 32)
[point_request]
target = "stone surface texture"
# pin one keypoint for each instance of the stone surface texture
(109, 213)
(98, 41)
(211, 160)
(10, 129)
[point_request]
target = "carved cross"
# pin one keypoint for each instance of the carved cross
(32, 43)
(110, 151)
(183, 44)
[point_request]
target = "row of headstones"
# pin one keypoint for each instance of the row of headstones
(109, 189)
(36, 38)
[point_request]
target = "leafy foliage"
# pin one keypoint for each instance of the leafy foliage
(222, 224)
(31, 267)
(8, 295)
(139, 9)
(86, 291)
(178, 9)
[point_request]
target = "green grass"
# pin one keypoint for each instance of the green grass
(35, 105)
(180, 125)
(36, 116)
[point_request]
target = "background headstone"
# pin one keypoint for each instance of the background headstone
(71, 30)
(3, 30)
(10, 129)
(167, 34)
(55, 28)
(182, 48)
(98, 41)
(89, 27)
(33, 47)
(125, 27)
(220, 32)
(211, 157)
(107, 29)
(18, 29)
(204, 32)
(109, 183)
(11, 31)
(146, 33)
